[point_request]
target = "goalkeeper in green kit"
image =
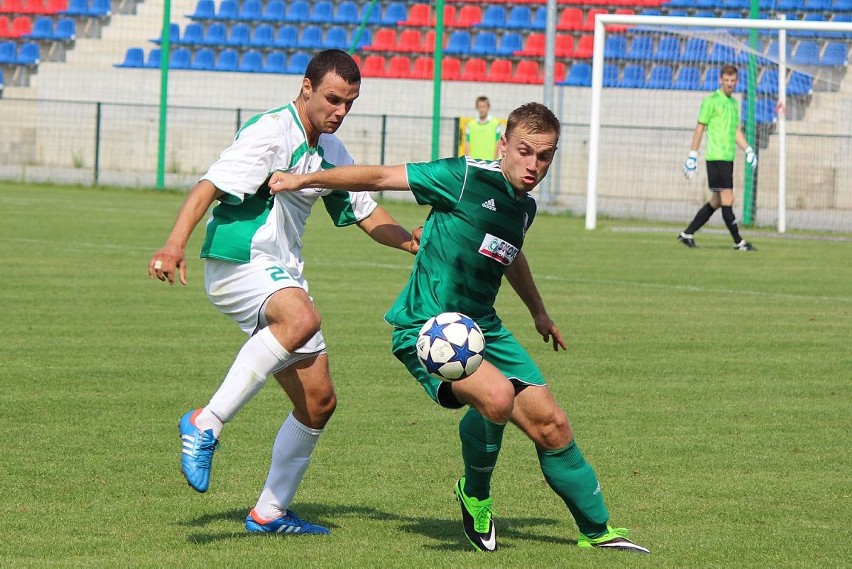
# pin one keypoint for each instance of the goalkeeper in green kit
(472, 238)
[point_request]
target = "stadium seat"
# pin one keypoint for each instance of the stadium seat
(4, 26)
(274, 12)
(383, 40)
(493, 17)
(519, 18)
(239, 36)
(311, 38)
(564, 45)
(54, 7)
(363, 36)
(539, 19)
(336, 37)
(768, 83)
(394, 14)
(180, 58)
(484, 43)
(459, 43)
(251, 62)
(153, 61)
(741, 5)
(688, 79)
(724, 55)
(468, 15)
(451, 69)
(807, 53)
(510, 43)
(375, 14)
(610, 75)
(79, 8)
(262, 37)
(449, 16)
(527, 71)
(633, 77)
(409, 40)
(29, 54)
(287, 37)
(250, 11)
(615, 47)
(475, 70)
(346, 13)
(297, 63)
(133, 58)
(227, 60)
(399, 67)
(789, 6)
(500, 71)
(66, 29)
(203, 59)
(799, 85)
(216, 35)
(298, 11)
(694, 51)
(228, 10)
(193, 34)
(570, 20)
(742, 81)
(204, 10)
(589, 22)
(373, 66)
(661, 77)
(580, 75)
(42, 29)
(834, 55)
(772, 51)
(711, 79)
(100, 9)
(764, 111)
(322, 12)
(641, 48)
(9, 52)
(423, 68)
(668, 49)
(585, 47)
(419, 15)
(274, 62)
(19, 27)
(534, 46)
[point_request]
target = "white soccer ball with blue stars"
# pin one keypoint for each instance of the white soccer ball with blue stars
(450, 346)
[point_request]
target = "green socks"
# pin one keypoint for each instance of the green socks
(481, 440)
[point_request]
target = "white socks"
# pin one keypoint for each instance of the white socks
(260, 356)
(291, 455)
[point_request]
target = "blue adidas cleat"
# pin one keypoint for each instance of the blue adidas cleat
(197, 451)
(288, 523)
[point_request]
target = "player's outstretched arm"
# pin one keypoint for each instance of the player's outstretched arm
(350, 178)
(520, 277)
(171, 258)
(384, 229)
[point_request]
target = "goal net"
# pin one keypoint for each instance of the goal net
(650, 74)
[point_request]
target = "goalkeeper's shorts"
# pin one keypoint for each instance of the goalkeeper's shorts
(720, 175)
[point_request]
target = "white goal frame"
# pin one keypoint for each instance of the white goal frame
(781, 25)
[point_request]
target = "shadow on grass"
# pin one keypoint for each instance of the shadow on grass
(446, 531)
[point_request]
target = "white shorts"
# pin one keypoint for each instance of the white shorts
(240, 291)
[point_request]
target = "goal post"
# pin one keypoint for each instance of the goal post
(661, 120)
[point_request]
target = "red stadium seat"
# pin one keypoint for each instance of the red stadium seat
(449, 16)
(500, 71)
(373, 66)
(428, 44)
(571, 19)
(12, 7)
(564, 46)
(419, 15)
(399, 67)
(467, 16)
(451, 69)
(585, 47)
(534, 46)
(589, 24)
(383, 40)
(55, 6)
(20, 26)
(4, 26)
(475, 69)
(527, 71)
(423, 68)
(409, 41)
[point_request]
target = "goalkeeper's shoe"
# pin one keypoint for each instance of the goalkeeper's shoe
(288, 523)
(614, 538)
(687, 240)
(196, 452)
(745, 246)
(476, 519)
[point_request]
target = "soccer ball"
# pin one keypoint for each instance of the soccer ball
(450, 346)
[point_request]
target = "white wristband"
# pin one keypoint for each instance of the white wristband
(693, 154)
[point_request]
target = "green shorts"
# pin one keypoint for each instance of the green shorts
(502, 351)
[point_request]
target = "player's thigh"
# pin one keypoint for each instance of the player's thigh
(308, 384)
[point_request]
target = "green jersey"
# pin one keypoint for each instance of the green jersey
(483, 138)
(721, 115)
(473, 233)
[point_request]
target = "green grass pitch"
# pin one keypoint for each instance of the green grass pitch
(710, 389)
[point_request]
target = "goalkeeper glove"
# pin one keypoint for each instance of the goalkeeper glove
(690, 165)
(751, 158)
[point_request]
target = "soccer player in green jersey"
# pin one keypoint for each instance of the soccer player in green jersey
(719, 116)
(482, 134)
(253, 275)
(481, 211)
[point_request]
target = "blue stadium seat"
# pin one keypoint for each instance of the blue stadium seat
(807, 53)
(800, 85)
(741, 5)
(459, 43)
(275, 62)
(731, 15)
(688, 79)
(519, 18)
(610, 75)
(180, 58)
(772, 51)
(695, 50)
(336, 37)
(539, 21)
(346, 13)
(133, 58)
(153, 61)
(66, 29)
(660, 78)
(764, 111)
(641, 48)
(704, 14)
(193, 34)
(203, 60)
(297, 11)
(835, 54)
(287, 37)
(227, 60)
(668, 49)
(240, 36)
(580, 75)
(9, 52)
(375, 17)
(99, 9)
(321, 12)
(395, 13)
(204, 10)
(311, 38)
(216, 35)
(250, 62)
(510, 43)
(742, 80)
(78, 8)
(263, 36)
(42, 29)
(615, 47)
(493, 17)
(274, 12)
(297, 63)
(789, 5)
(633, 77)
(250, 11)
(228, 10)
(484, 43)
(724, 54)
(174, 35)
(768, 83)
(711, 79)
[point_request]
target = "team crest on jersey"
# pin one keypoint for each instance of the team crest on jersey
(498, 249)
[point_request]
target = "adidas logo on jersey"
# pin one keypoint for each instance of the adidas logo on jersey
(489, 204)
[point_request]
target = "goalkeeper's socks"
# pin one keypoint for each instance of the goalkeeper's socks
(702, 217)
(731, 222)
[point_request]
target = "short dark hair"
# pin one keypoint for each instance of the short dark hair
(728, 70)
(483, 98)
(334, 61)
(534, 117)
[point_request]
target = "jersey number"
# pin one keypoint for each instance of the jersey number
(277, 274)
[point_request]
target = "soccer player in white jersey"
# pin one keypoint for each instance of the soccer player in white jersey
(253, 274)
(472, 239)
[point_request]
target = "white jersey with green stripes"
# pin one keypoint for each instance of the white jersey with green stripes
(249, 222)
(473, 233)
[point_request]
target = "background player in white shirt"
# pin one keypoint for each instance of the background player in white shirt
(253, 274)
